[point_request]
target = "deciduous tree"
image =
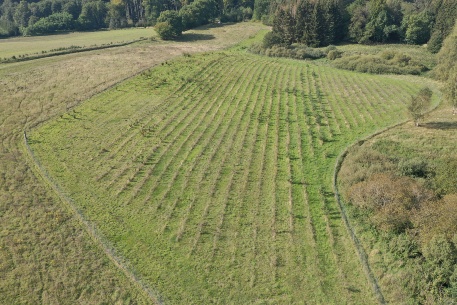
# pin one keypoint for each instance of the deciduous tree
(420, 104)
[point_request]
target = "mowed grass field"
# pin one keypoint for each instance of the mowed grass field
(212, 175)
(46, 254)
(29, 45)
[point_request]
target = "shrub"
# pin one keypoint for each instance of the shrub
(415, 167)
(165, 31)
(403, 246)
(441, 259)
(271, 39)
(387, 62)
(391, 199)
(169, 25)
(334, 54)
(52, 23)
(437, 217)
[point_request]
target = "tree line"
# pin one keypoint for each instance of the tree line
(31, 17)
(324, 22)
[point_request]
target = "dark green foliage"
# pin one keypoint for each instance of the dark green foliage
(359, 17)
(375, 21)
(169, 25)
(446, 13)
(261, 9)
(22, 14)
(8, 26)
(417, 27)
(447, 57)
(270, 39)
(93, 15)
(236, 14)
(284, 26)
(441, 258)
(198, 13)
(314, 23)
(116, 16)
(414, 167)
(53, 23)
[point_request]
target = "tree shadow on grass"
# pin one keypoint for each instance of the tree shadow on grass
(189, 37)
(440, 125)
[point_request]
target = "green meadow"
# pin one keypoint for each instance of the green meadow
(20, 46)
(211, 175)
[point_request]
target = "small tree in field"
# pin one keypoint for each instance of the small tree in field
(420, 104)
(169, 25)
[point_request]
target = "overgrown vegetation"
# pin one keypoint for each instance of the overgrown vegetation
(297, 51)
(386, 62)
(401, 185)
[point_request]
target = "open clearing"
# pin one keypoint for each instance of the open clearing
(212, 174)
(46, 256)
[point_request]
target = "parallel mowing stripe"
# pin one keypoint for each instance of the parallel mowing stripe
(221, 120)
(340, 116)
(215, 180)
(202, 167)
(267, 188)
(128, 136)
(143, 175)
(249, 130)
(181, 114)
(191, 140)
(239, 136)
(299, 133)
(163, 157)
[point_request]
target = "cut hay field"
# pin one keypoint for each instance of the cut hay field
(211, 175)
(46, 255)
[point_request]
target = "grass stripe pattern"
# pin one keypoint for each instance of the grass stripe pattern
(212, 175)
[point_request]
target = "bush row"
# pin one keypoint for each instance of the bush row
(387, 62)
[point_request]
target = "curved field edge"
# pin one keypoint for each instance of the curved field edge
(146, 192)
(147, 292)
(45, 254)
(346, 219)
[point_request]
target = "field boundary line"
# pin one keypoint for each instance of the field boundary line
(358, 245)
(86, 225)
(69, 51)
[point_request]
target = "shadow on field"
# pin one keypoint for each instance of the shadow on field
(441, 125)
(187, 37)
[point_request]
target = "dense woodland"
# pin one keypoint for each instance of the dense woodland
(29, 17)
(323, 22)
(312, 22)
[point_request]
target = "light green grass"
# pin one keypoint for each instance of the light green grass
(31, 45)
(212, 175)
(46, 254)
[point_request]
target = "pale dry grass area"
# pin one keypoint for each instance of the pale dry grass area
(46, 256)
